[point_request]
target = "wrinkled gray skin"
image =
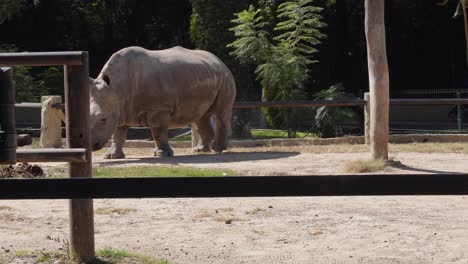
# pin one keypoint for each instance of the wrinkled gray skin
(160, 90)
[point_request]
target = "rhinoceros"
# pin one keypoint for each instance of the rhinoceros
(162, 89)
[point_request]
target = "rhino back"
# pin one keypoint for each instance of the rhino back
(179, 81)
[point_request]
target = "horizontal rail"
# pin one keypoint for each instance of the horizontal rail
(304, 103)
(41, 58)
(258, 186)
(51, 155)
(28, 105)
(311, 103)
(428, 101)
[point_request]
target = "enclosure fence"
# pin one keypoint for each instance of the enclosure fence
(81, 188)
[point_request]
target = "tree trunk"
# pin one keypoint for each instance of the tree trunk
(465, 21)
(378, 78)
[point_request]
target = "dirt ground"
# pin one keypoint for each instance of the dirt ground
(416, 229)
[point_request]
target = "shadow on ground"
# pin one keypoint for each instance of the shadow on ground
(203, 158)
(401, 166)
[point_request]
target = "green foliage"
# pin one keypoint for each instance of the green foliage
(326, 118)
(300, 27)
(252, 41)
(282, 60)
(11, 8)
(116, 256)
(51, 81)
(24, 81)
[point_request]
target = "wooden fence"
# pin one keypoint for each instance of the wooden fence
(80, 188)
(76, 75)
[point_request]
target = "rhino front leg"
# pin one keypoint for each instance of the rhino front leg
(119, 137)
(161, 139)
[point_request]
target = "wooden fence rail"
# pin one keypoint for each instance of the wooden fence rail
(42, 58)
(235, 186)
(76, 79)
(313, 103)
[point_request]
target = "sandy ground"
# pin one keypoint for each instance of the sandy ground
(416, 229)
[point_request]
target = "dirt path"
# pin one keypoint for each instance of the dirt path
(294, 162)
(264, 230)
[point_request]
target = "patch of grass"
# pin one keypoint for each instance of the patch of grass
(21, 253)
(51, 256)
(271, 133)
(114, 210)
(158, 171)
(260, 134)
(182, 138)
(6, 208)
(121, 256)
(361, 166)
(104, 256)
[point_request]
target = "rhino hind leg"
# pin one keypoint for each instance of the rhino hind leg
(119, 137)
(223, 130)
(161, 138)
(202, 134)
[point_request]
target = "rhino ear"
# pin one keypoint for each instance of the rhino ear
(106, 79)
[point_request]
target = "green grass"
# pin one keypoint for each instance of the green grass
(50, 257)
(158, 171)
(118, 256)
(269, 133)
(107, 255)
(260, 134)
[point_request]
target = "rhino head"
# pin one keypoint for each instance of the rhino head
(104, 111)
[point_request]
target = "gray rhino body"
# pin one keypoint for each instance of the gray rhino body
(162, 89)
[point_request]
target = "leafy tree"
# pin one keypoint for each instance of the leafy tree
(282, 60)
(25, 84)
(11, 8)
(326, 118)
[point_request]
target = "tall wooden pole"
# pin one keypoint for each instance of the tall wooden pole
(378, 78)
(78, 136)
(7, 117)
(465, 23)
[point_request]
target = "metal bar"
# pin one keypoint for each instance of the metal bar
(51, 155)
(235, 186)
(79, 136)
(305, 103)
(7, 117)
(428, 101)
(41, 58)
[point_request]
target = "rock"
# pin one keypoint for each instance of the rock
(23, 140)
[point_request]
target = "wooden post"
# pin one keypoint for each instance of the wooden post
(378, 78)
(51, 122)
(7, 117)
(367, 118)
(78, 136)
